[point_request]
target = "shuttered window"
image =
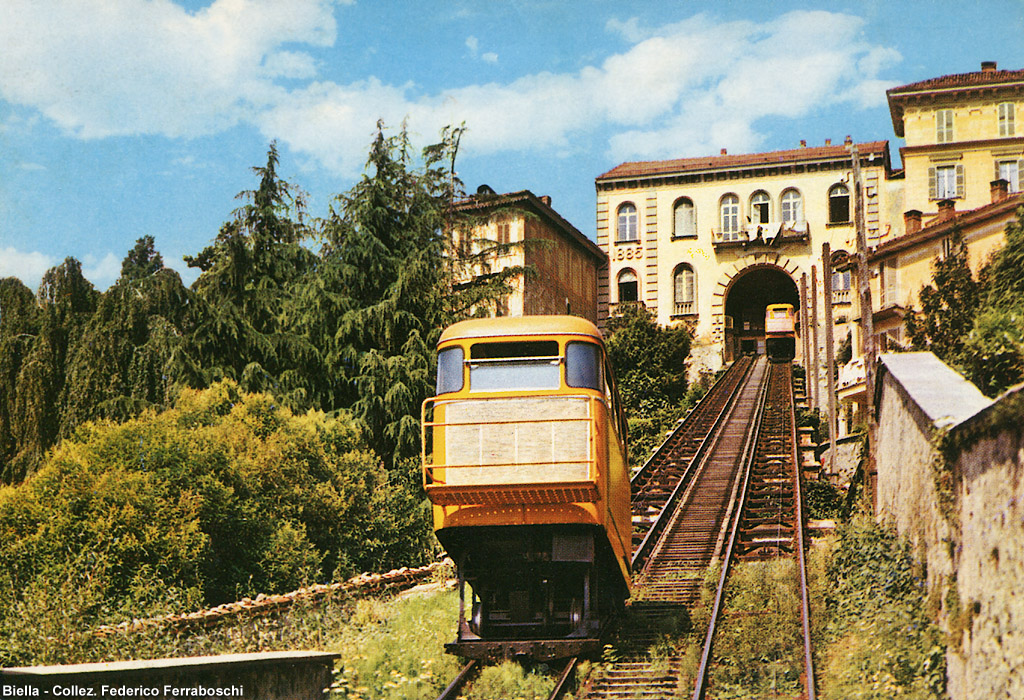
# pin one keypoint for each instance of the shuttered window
(946, 182)
(944, 126)
(1006, 118)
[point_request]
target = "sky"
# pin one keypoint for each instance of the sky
(126, 118)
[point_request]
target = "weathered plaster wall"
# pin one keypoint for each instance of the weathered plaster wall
(907, 496)
(990, 570)
(967, 524)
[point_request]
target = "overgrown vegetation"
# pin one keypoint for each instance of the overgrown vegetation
(225, 495)
(758, 648)
(976, 324)
(878, 638)
(650, 366)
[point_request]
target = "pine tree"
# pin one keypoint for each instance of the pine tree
(131, 355)
(245, 294)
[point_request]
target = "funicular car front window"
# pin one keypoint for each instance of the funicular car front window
(449, 370)
(507, 366)
(583, 366)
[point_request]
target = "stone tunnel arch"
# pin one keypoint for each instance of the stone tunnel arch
(746, 297)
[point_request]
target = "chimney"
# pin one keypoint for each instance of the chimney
(803, 143)
(724, 152)
(828, 142)
(1000, 190)
(911, 222)
(545, 198)
(848, 140)
(947, 209)
(988, 66)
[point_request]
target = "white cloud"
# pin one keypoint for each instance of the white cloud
(102, 272)
(111, 67)
(685, 88)
(28, 267)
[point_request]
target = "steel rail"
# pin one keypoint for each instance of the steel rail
(710, 397)
(562, 685)
(656, 529)
(805, 608)
(749, 448)
(452, 691)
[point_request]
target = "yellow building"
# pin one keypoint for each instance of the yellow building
(564, 262)
(710, 242)
(962, 132)
(903, 265)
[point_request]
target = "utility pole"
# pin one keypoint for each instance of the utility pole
(830, 361)
(805, 339)
(867, 326)
(814, 336)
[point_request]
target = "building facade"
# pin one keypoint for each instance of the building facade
(710, 242)
(962, 132)
(519, 229)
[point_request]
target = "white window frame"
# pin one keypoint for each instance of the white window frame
(835, 192)
(944, 126)
(758, 201)
(627, 275)
(627, 221)
(942, 174)
(792, 204)
(684, 287)
(729, 217)
(1007, 113)
(1010, 170)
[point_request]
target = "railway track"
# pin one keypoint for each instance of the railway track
(723, 486)
(737, 498)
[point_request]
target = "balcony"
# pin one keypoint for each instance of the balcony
(840, 296)
(770, 234)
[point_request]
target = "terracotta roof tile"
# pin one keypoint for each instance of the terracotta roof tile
(992, 77)
(793, 155)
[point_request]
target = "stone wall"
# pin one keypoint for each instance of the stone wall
(953, 485)
(906, 493)
(989, 482)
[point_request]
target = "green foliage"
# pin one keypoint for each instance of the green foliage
(880, 642)
(396, 651)
(822, 500)
(225, 495)
(947, 308)
(758, 649)
(245, 328)
(650, 367)
(976, 326)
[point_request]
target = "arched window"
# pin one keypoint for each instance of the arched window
(839, 204)
(760, 208)
(629, 288)
(684, 218)
(685, 291)
(626, 223)
(729, 210)
(792, 207)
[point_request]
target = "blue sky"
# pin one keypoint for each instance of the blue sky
(122, 118)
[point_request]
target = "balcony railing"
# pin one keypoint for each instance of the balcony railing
(840, 296)
(684, 308)
(770, 233)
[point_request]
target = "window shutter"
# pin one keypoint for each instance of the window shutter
(960, 181)
(933, 190)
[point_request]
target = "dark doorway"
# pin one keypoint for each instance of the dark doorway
(745, 302)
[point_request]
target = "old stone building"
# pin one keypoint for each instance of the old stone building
(564, 264)
(710, 242)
